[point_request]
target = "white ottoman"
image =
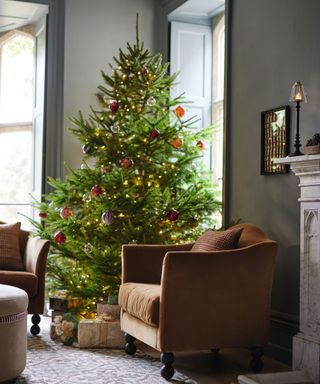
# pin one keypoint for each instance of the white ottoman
(13, 332)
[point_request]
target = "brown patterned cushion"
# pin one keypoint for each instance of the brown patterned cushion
(217, 240)
(10, 257)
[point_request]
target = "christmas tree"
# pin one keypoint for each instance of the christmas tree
(147, 184)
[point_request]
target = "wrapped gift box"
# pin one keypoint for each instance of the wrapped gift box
(111, 310)
(58, 304)
(98, 333)
(66, 304)
(53, 333)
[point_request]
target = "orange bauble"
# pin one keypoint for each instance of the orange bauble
(65, 213)
(180, 111)
(177, 142)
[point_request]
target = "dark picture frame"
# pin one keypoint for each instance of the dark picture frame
(275, 139)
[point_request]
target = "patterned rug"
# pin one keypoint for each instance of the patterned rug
(50, 362)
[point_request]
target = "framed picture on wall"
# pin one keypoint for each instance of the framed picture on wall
(275, 139)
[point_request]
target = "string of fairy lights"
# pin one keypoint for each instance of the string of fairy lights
(139, 181)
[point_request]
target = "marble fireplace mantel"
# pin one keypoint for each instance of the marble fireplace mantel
(306, 344)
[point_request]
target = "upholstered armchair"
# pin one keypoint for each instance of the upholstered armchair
(30, 274)
(174, 299)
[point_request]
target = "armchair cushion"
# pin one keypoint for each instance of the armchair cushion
(10, 256)
(217, 240)
(141, 301)
(20, 279)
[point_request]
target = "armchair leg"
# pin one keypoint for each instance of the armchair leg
(130, 347)
(35, 329)
(215, 351)
(167, 371)
(256, 363)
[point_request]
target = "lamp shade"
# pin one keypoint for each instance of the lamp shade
(298, 93)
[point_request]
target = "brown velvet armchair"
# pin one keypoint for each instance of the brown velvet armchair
(34, 252)
(174, 299)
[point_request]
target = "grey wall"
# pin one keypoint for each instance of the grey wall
(273, 44)
(95, 30)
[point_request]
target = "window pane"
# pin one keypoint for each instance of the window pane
(10, 214)
(15, 164)
(16, 86)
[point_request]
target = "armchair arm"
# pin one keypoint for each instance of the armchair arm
(222, 296)
(35, 257)
(143, 263)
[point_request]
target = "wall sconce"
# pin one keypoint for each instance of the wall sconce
(298, 96)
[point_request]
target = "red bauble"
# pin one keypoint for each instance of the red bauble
(177, 142)
(96, 190)
(65, 213)
(180, 111)
(201, 144)
(154, 134)
(60, 237)
(173, 215)
(126, 163)
(114, 106)
(144, 70)
(42, 215)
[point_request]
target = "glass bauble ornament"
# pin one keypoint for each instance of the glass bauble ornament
(151, 101)
(96, 191)
(173, 215)
(60, 237)
(42, 215)
(114, 106)
(115, 128)
(180, 111)
(201, 144)
(107, 217)
(154, 134)
(177, 142)
(88, 248)
(65, 213)
(86, 197)
(126, 163)
(86, 149)
(144, 70)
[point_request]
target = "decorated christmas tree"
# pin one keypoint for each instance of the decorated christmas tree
(147, 183)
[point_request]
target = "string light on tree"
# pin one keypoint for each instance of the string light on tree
(137, 183)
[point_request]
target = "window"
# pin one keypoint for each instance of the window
(218, 44)
(16, 109)
(197, 53)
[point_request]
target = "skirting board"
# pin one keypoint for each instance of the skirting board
(282, 328)
(293, 377)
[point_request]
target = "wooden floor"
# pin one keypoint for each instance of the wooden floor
(202, 369)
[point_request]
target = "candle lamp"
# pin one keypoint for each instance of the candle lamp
(298, 96)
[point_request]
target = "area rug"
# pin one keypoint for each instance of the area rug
(50, 362)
